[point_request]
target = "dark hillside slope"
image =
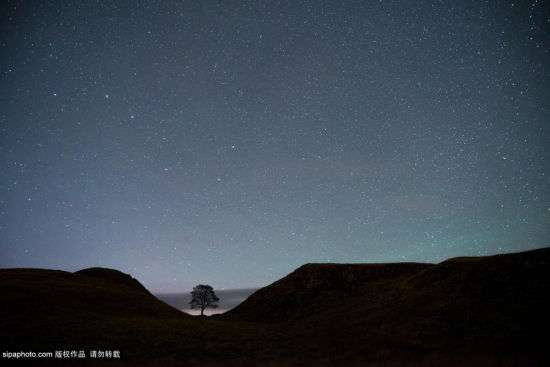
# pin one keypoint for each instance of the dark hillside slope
(491, 302)
(113, 277)
(312, 288)
(496, 300)
(487, 311)
(53, 292)
(104, 309)
(47, 307)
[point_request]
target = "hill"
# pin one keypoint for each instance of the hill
(94, 291)
(494, 303)
(490, 311)
(51, 309)
(104, 309)
(312, 288)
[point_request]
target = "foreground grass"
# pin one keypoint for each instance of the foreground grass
(197, 341)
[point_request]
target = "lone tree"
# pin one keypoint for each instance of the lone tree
(203, 296)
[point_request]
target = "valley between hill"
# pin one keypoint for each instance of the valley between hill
(490, 311)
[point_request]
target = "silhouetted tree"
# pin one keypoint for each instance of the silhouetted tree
(203, 296)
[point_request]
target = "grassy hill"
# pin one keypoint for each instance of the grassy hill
(40, 293)
(104, 309)
(313, 290)
(490, 311)
(495, 305)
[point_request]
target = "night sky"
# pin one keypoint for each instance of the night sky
(230, 142)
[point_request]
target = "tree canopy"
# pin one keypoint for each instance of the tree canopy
(203, 296)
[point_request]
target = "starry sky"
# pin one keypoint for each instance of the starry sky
(230, 142)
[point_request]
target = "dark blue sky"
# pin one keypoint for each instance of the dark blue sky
(228, 143)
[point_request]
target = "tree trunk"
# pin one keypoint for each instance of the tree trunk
(202, 309)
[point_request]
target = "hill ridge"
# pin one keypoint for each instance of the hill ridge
(462, 311)
(93, 291)
(112, 275)
(487, 300)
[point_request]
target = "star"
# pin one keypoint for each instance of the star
(272, 136)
